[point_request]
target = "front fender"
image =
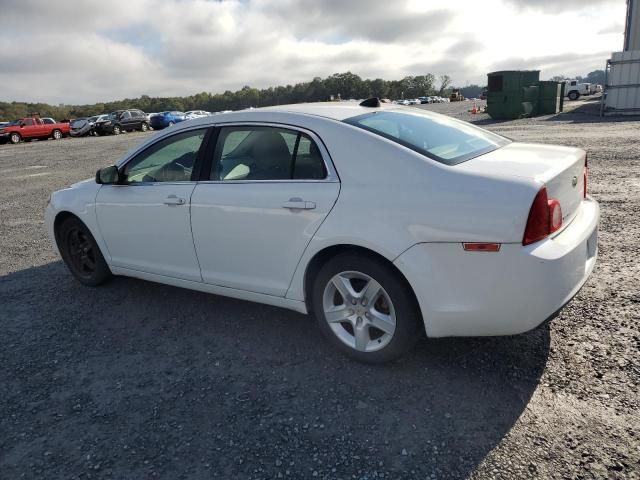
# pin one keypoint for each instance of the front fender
(78, 200)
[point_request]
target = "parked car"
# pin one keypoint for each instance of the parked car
(190, 115)
(85, 126)
(167, 119)
(122, 121)
(574, 89)
(415, 222)
(30, 128)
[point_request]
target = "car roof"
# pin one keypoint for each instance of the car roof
(334, 110)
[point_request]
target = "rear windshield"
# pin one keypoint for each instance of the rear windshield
(438, 137)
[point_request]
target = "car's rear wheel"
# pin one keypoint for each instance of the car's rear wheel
(15, 138)
(574, 95)
(365, 308)
(116, 130)
(170, 124)
(81, 253)
(56, 134)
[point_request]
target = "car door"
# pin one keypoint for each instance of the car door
(145, 221)
(29, 128)
(269, 188)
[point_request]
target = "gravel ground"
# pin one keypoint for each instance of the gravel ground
(137, 380)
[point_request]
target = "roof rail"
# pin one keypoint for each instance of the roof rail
(370, 102)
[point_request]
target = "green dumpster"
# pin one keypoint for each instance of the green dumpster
(513, 94)
(550, 98)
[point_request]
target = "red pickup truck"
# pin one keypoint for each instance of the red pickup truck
(33, 127)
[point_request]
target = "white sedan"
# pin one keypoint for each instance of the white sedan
(385, 222)
(191, 114)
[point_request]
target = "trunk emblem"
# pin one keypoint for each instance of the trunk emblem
(574, 181)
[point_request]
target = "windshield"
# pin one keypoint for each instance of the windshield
(438, 137)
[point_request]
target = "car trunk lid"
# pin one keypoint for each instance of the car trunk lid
(560, 169)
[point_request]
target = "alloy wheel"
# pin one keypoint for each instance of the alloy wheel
(359, 311)
(81, 252)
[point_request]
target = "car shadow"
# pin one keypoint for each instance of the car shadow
(137, 377)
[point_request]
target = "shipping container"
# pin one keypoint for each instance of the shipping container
(622, 89)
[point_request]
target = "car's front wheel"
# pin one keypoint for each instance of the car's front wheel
(574, 95)
(15, 138)
(365, 308)
(81, 253)
(144, 127)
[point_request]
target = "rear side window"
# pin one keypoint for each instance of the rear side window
(266, 153)
(438, 137)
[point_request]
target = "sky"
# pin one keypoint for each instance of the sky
(76, 52)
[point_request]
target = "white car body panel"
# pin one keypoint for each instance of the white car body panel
(133, 221)
(246, 239)
(509, 292)
(391, 200)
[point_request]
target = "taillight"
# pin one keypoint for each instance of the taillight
(555, 215)
(586, 176)
(545, 217)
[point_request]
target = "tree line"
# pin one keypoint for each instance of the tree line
(339, 85)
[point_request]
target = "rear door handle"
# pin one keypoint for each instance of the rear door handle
(298, 204)
(173, 200)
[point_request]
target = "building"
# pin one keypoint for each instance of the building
(632, 26)
(622, 85)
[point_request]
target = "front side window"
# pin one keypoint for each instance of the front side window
(438, 137)
(169, 160)
(266, 153)
(27, 122)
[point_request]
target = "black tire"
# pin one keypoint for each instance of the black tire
(144, 127)
(171, 124)
(56, 134)
(574, 95)
(81, 253)
(15, 138)
(117, 130)
(408, 327)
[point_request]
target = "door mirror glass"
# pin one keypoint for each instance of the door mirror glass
(108, 176)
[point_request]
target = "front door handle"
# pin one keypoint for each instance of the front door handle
(174, 200)
(298, 204)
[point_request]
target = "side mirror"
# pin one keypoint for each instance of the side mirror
(109, 176)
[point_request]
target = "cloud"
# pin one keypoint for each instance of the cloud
(616, 27)
(564, 5)
(80, 51)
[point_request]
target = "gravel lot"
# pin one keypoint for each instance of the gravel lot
(137, 380)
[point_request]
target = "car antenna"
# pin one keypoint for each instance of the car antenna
(370, 102)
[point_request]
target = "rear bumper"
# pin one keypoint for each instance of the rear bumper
(514, 290)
